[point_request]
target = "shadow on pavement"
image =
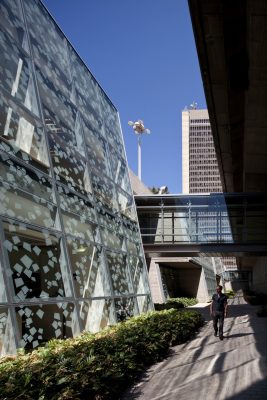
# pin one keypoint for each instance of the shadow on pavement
(236, 335)
(232, 369)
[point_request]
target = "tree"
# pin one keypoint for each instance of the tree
(159, 190)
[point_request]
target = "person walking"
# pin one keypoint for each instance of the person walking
(218, 310)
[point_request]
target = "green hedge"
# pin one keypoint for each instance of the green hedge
(186, 301)
(168, 305)
(177, 303)
(96, 366)
(229, 293)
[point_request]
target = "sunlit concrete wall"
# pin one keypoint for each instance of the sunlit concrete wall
(138, 186)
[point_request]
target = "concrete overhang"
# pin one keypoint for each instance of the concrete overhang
(204, 250)
(178, 262)
(231, 41)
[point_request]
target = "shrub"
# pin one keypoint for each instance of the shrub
(186, 301)
(168, 306)
(230, 294)
(96, 366)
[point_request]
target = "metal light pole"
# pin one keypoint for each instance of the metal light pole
(139, 129)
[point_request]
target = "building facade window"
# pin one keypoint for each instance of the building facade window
(71, 252)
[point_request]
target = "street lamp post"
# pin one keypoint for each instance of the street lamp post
(139, 129)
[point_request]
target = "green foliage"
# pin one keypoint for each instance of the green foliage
(156, 190)
(167, 306)
(186, 301)
(96, 366)
(176, 303)
(230, 294)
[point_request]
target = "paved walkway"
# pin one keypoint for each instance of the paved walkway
(210, 369)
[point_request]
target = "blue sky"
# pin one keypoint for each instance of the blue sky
(143, 54)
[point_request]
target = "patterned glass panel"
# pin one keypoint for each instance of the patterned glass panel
(47, 38)
(133, 236)
(23, 193)
(88, 269)
(108, 219)
(97, 149)
(60, 113)
(51, 70)
(26, 207)
(111, 239)
(133, 248)
(2, 283)
(21, 134)
(131, 230)
(16, 73)
(73, 203)
(69, 165)
(26, 179)
(113, 135)
(125, 308)
(120, 171)
(104, 191)
(74, 225)
(145, 304)
(111, 129)
(119, 273)
(40, 323)
(37, 263)
(11, 22)
(139, 275)
(72, 137)
(96, 314)
(85, 191)
(87, 92)
(126, 204)
(7, 338)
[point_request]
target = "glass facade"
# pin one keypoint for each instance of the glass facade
(71, 253)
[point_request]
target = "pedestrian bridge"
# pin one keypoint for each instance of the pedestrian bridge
(215, 224)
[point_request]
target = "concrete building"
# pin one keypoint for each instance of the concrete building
(200, 170)
(70, 252)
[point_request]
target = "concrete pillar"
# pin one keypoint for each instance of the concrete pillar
(202, 292)
(259, 275)
(155, 282)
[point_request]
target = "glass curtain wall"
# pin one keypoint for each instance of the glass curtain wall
(71, 255)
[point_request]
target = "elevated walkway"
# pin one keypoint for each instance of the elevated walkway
(207, 368)
(215, 224)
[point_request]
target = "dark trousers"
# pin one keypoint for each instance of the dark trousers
(218, 316)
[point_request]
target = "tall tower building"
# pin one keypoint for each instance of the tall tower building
(200, 170)
(200, 165)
